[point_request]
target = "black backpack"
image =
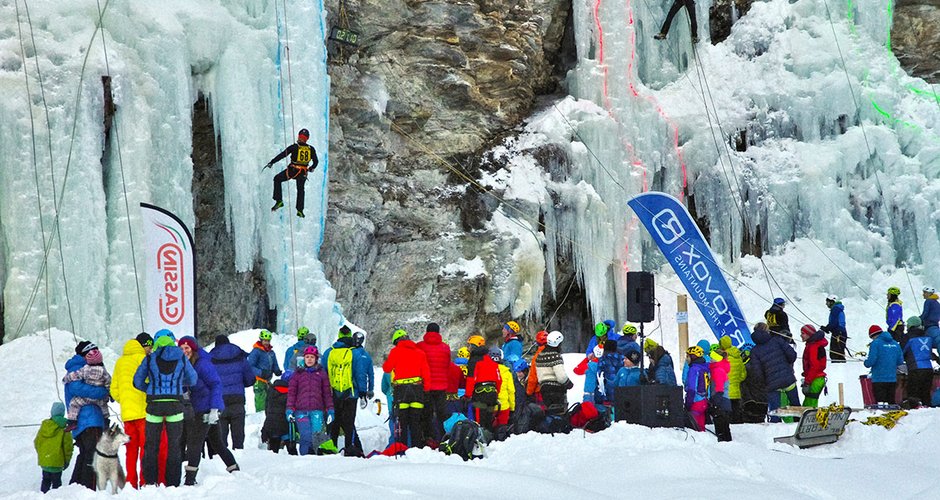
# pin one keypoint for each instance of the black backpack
(528, 418)
(555, 424)
(464, 440)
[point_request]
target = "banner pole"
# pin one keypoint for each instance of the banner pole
(682, 317)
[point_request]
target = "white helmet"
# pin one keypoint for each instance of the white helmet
(554, 339)
(929, 289)
(832, 297)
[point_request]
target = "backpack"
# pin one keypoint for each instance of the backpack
(464, 440)
(555, 424)
(485, 395)
(588, 416)
(339, 368)
(528, 418)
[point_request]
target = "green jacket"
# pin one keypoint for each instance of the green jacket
(53, 445)
(737, 374)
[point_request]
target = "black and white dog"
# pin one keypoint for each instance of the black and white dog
(106, 463)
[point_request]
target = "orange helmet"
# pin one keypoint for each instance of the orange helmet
(476, 340)
(541, 338)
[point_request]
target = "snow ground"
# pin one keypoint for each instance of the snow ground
(867, 462)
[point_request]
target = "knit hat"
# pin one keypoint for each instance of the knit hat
(345, 332)
(93, 357)
(874, 330)
(84, 347)
(808, 330)
(649, 345)
(496, 354)
(221, 340)
(725, 342)
(189, 341)
(433, 327)
(914, 321)
(144, 339)
(598, 351)
(58, 409)
(634, 356)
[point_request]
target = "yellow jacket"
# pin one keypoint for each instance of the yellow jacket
(507, 391)
(133, 402)
(737, 374)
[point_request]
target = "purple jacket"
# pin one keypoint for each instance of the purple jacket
(207, 393)
(231, 362)
(309, 390)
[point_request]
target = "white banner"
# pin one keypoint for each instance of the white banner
(171, 272)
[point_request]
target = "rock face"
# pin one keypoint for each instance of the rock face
(722, 15)
(915, 37)
(228, 301)
(431, 85)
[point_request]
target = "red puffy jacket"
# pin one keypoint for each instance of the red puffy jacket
(814, 357)
(407, 361)
(486, 370)
(455, 379)
(438, 354)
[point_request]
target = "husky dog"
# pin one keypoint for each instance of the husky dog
(106, 463)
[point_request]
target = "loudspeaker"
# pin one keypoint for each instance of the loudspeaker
(650, 405)
(641, 297)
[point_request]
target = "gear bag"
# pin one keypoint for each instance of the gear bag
(464, 440)
(485, 395)
(339, 368)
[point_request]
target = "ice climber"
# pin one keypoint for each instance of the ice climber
(676, 5)
(836, 328)
(303, 159)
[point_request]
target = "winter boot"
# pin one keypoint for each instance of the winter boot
(191, 476)
(232, 468)
(278, 204)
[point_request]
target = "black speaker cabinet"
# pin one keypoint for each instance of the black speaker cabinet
(641, 297)
(650, 405)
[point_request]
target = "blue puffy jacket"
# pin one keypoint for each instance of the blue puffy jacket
(231, 363)
(884, 356)
(164, 373)
(512, 351)
(931, 315)
(89, 416)
(294, 354)
(263, 362)
(628, 377)
(917, 350)
(662, 371)
(608, 366)
(836, 325)
(363, 376)
(206, 393)
(772, 359)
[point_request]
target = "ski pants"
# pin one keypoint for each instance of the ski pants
(919, 383)
(837, 348)
(291, 172)
(884, 392)
(309, 424)
(261, 395)
(697, 411)
(344, 418)
(787, 396)
(197, 432)
(435, 414)
(811, 391)
(232, 419)
(84, 472)
(409, 402)
(50, 481)
(676, 5)
(136, 431)
(163, 416)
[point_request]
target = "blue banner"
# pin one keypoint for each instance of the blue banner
(681, 241)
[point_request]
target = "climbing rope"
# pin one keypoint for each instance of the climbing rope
(823, 414)
(127, 208)
(290, 94)
(888, 420)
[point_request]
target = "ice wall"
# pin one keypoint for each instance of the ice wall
(160, 56)
(792, 129)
